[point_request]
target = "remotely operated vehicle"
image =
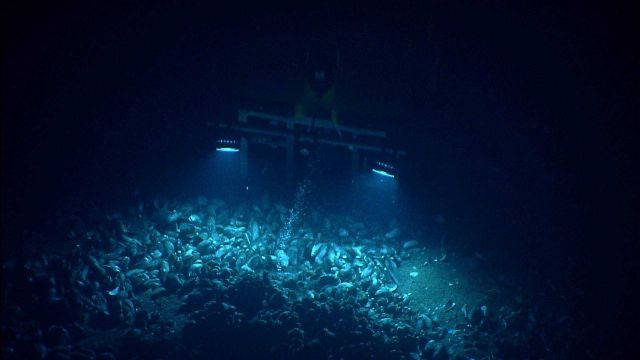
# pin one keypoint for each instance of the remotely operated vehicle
(314, 123)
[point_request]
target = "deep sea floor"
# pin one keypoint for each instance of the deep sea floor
(203, 279)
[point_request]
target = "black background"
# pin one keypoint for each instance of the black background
(519, 120)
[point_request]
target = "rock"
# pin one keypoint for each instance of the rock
(186, 228)
(392, 234)
(173, 282)
(441, 353)
(282, 259)
(424, 323)
(316, 248)
(56, 336)
(205, 246)
(476, 316)
(277, 300)
(410, 244)
(174, 216)
(326, 280)
(344, 288)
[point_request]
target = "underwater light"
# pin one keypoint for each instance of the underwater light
(385, 169)
(383, 173)
(227, 149)
(228, 145)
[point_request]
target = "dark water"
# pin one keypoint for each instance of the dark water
(126, 235)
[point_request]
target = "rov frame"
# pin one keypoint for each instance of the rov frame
(368, 147)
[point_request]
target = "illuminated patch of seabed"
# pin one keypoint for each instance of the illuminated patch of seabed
(445, 287)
